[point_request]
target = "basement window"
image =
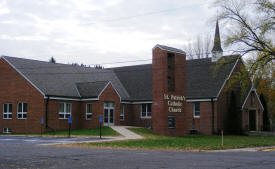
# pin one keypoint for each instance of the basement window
(89, 111)
(65, 110)
(7, 111)
(7, 130)
(22, 109)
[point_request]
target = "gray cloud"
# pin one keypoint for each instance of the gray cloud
(92, 31)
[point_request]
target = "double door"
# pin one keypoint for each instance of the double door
(109, 114)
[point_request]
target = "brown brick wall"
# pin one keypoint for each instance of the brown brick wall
(15, 89)
(203, 124)
(79, 111)
(245, 113)
(127, 115)
(110, 95)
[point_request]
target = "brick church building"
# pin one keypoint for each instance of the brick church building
(173, 96)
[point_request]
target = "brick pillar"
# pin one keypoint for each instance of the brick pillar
(168, 79)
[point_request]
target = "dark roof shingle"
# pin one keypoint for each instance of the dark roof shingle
(133, 83)
(137, 80)
(90, 89)
(60, 79)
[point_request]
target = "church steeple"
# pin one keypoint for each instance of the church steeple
(217, 51)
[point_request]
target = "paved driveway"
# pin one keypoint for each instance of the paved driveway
(36, 140)
(20, 153)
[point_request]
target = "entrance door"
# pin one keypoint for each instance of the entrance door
(252, 120)
(109, 114)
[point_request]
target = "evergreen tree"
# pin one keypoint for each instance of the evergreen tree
(52, 60)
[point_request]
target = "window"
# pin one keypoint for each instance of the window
(22, 109)
(109, 104)
(171, 122)
(196, 109)
(146, 110)
(7, 111)
(121, 112)
(6, 130)
(89, 111)
(65, 110)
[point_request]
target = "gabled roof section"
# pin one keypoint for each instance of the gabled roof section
(137, 80)
(60, 80)
(169, 49)
(91, 89)
(252, 89)
(201, 80)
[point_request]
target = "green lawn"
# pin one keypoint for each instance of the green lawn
(105, 131)
(194, 142)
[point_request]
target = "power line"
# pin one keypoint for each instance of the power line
(147, 14)
(92, 65)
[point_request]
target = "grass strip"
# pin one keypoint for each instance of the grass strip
(190, 142)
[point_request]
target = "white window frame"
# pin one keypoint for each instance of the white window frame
(22, 113)
(65, 111)
(121, 112)
(8, 113)
(146, 112)
(89, 113)
(194, 110)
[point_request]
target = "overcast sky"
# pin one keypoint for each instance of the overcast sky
(100, 31)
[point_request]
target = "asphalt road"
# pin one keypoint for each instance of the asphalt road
(26, 154)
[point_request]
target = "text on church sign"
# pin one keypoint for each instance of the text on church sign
(174, 103)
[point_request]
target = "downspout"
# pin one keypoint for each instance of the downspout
(46, 111)
(213, 115)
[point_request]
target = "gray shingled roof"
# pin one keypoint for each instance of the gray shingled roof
(201, 82)
(137, 80)
(60, 79)
(91, 89)
(133, 83)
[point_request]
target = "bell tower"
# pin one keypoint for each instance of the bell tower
(168, 91)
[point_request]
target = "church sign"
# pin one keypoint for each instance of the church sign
(174, 103)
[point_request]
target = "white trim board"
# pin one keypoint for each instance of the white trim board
(138, 102)
(224, 83)
(158, 46)
(112, 87)
(252, 89)
(200, 100)
(72, 99)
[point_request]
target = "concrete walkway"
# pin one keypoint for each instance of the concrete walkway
(126, 133)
